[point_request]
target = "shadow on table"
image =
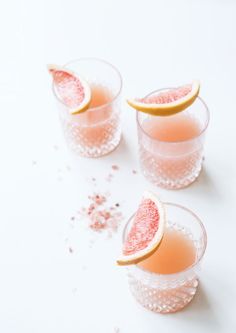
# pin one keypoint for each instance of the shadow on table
(206, 184)
(200, 310)
(123, 145)
(125, 151)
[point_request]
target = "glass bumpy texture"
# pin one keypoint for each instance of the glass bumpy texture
(163, 301)
(173, 158)
(94, 140)
(165, 293)
(170, 172)
(97, 131)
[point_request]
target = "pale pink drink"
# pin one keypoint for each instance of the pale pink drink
(167, 280)
(97, 131)
(171, 147)
(176, 253)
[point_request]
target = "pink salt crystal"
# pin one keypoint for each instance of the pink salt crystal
(115, 167)
(99, 199)
(98, 221)
(105, 214)
(99, 216)
(90, 208)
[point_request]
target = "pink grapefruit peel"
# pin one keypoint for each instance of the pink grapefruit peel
(71, 89)
(167, 102)
(146, 232)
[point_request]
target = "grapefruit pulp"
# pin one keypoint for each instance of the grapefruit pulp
(71, 89)
(146, 231)
(167, 102)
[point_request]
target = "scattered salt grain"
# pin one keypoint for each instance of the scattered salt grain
(115, 167)
(97, 199)
(99, 215)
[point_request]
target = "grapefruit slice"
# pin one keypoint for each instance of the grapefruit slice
(167, 102)
(146, 231)
(71, 89)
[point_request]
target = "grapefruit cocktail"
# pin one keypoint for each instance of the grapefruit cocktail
(89, 103)
(171, 127)
(163, 271)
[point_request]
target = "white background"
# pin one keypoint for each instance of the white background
(45, 288)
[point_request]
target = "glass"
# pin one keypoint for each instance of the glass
(97, 131)
(172, 161)
(166, 293)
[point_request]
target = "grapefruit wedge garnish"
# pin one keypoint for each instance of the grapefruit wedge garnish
(71, 89)
(167, 102)
(146, 231)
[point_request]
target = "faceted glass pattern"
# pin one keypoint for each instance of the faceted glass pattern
(173, 164)
(97, 131)
(166, 293)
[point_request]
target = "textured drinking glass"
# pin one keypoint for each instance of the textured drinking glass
(166, 293)
(97, 131)
(167, 158)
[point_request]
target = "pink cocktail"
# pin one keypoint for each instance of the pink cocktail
(171, 147)
(167, 281)
(97, 131)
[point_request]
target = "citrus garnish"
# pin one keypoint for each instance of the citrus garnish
(146, 231)
(167, 102)
(71, 89)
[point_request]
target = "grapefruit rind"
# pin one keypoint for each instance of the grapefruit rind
(84, 105)
(135, 258)
(167, 109)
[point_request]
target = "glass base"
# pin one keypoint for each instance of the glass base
(94, 141)
(172, 184)
(167, 293)
(171, 173)
(96, 151)
(163, 301)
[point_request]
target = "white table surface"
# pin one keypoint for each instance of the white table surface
(45, 288)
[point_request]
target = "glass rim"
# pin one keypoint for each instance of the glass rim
(181, 141)
(98, 60)
(170, 275)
